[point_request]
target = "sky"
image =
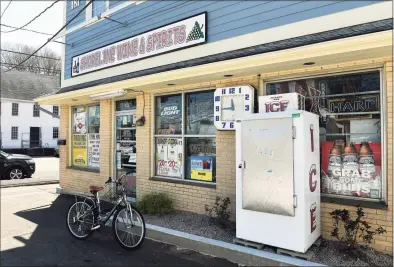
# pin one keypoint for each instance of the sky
(21, 12)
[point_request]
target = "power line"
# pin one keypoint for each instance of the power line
(42, 12)
(9, 3)
(50, 39)
(27, 67)
(27, 54)
(5, 25)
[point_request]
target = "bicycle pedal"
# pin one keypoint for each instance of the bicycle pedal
(95, 227)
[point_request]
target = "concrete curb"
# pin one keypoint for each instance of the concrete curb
(30, 183)
(235, 253)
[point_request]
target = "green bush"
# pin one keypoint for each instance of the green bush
(155, 203)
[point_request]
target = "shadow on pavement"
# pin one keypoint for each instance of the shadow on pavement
(52, 245)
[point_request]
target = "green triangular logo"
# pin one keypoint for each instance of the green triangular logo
(195, 33)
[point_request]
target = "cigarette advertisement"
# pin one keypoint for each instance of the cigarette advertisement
(79, 152)
(201, 168)
(169, 157)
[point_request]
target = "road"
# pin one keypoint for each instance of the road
(33, 232)
(47, 168)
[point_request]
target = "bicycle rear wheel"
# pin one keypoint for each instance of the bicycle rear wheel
(128, 226)
(80, 220)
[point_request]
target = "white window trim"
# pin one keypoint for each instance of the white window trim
(91, 20)
(89, 10)
(53, 131)
(383, 120)
(183, 136)
(17, 109)
(17, 132)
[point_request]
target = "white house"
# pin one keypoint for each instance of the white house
(24, 124)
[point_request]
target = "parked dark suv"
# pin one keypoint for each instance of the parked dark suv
(16, 166)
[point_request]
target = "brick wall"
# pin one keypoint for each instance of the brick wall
(194, 198)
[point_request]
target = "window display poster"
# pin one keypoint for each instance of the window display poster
(80, 123)
(79, 152)
(94, 150)
(354, 170)
(169, 157)
(201, 168)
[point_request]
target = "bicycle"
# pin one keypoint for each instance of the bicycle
(86, 216)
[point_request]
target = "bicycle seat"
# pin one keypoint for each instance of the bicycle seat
(94, 189)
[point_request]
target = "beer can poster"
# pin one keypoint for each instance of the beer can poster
(169, 157)
(201, 168)
(352, 171)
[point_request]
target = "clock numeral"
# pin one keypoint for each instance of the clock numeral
(217, 108)
(224, 91)
(217, 118)
(231, 125)
(231, 91)
(247, 97)
(240, 90)
(223, 125)
(246, 107)
(217, 98)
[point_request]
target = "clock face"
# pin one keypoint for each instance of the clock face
(232, 107)
(232, 103)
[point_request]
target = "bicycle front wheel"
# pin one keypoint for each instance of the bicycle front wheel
(128, 226)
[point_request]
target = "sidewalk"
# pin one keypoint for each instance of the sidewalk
(28, 182)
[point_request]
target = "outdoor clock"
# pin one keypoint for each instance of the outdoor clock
(232, 103)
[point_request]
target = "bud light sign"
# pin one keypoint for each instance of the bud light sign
(281, 102)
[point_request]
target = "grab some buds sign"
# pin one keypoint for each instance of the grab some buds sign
(178, 35)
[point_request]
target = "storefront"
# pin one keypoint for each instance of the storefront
(160, 127)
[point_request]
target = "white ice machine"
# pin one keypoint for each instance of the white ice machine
(278, 179)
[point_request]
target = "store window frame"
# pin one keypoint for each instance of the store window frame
(71, 133)
(383, 124)
(183, 137)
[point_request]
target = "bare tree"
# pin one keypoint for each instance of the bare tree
(45, 62)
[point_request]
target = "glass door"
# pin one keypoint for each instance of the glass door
(126, 152)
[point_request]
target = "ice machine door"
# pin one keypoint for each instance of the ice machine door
(267, 179)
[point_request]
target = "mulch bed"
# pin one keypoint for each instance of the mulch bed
(330, 253)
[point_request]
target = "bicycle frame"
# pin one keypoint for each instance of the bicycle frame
(96, 207)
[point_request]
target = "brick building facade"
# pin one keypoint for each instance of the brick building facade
(370, 50)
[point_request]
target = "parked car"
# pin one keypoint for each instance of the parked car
(16, 166)
(56, 152)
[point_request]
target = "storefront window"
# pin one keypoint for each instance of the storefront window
(86, 136)
(350, 130)
(196, 140)
(199, 115)
(169, 114)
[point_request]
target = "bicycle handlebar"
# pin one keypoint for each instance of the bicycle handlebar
(117, 180)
